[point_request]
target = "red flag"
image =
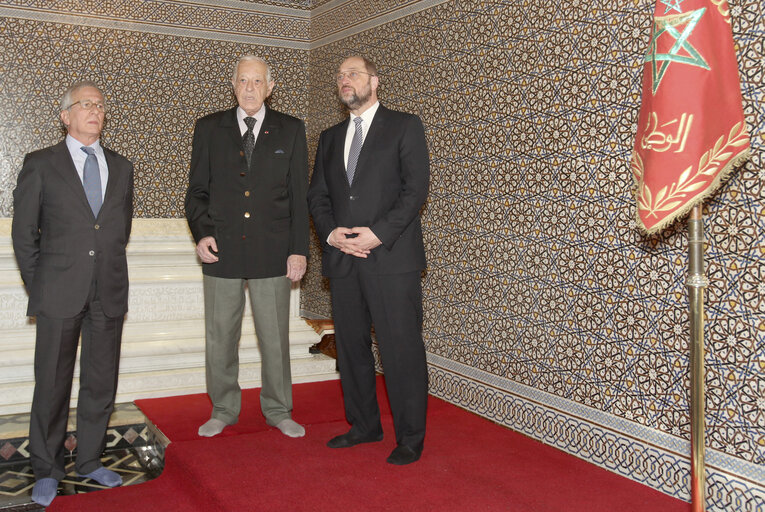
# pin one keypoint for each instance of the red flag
(691, 131)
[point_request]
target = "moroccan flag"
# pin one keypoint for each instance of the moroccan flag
(691, 129)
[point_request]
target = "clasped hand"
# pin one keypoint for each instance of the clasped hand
(357, 241)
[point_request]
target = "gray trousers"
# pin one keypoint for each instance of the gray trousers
(224, 309)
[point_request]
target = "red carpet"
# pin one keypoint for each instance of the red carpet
(469, 464)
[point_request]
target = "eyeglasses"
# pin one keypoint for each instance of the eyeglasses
(352, 75)
(88, 105)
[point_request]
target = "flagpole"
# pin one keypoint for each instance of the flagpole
(696, 284)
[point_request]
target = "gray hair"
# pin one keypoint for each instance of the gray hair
(66, 99)
(251, 58)
(368, 64)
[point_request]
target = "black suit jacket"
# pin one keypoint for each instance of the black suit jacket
(60, 245)
(258, 216)
(389, 188)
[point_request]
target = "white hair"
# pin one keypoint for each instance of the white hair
(251, 58)
(66, 99)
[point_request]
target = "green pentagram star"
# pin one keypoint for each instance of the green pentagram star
(679, 26)
(672, 4)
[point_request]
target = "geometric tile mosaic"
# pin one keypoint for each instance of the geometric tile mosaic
(135, 465)
(284, 25)
(117, 438)
(135, 451)
(156, 86)
(536, 271)
(335, 19)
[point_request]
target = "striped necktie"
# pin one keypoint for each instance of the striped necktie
(355, 151)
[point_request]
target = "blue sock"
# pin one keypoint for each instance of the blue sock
(105, 477)
(44, 491)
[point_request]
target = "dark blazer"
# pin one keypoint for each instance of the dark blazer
(258, 216)
(389, 188)
(59, 245)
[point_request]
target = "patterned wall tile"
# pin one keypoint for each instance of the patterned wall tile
(537, 272)
(156, 87)
(290, 23)
(331, 17)
(220, 18)
(71, 6)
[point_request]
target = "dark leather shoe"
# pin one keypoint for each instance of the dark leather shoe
(351, 439)
(403, 455)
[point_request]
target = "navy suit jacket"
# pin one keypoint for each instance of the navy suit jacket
(60, 245)
(389, 188)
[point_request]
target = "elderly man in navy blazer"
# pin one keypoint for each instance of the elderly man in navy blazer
(246, 207)
(73, 208)
(369, 182)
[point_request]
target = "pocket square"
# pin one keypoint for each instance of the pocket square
(279, 152)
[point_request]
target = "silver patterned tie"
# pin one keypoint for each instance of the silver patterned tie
(353, 154)
(91, 180)
(248, 139)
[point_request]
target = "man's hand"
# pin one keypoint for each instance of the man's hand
(296, 265)
(205, 249)
(361, 242)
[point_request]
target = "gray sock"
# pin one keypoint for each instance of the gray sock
(213, 427)
(290, 428)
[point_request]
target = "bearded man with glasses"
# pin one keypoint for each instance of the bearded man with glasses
(370, 180)
(73, 210)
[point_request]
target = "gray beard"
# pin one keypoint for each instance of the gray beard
(354, 101)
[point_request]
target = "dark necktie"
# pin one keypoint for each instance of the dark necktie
(353, 154)
(91, 180)
(248, 139)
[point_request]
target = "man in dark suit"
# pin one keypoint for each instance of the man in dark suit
(369, 183)
(246, 207)
(73, 208)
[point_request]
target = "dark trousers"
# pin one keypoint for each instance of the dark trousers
(393, 303)
(55, 353)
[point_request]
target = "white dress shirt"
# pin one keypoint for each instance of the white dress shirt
(259, 116)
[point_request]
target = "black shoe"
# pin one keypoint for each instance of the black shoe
(403, 455)
(351, 439)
